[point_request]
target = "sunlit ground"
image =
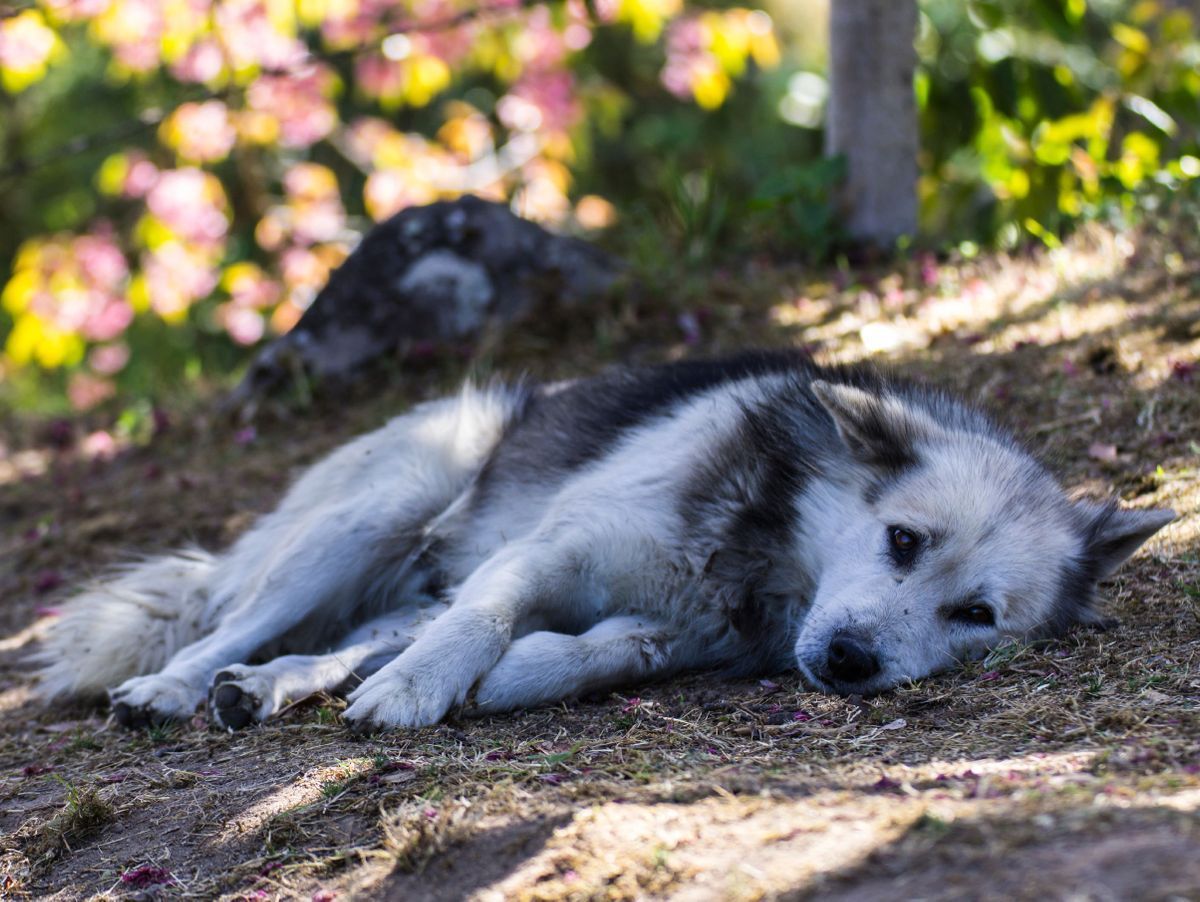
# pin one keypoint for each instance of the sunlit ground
(1065, 768)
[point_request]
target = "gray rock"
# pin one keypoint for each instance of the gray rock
(429, 275)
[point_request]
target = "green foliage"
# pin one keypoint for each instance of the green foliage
(1037, 114)
(175, 189)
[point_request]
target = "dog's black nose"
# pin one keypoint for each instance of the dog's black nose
(850, 659)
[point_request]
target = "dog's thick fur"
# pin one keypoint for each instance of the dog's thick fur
(518, 545)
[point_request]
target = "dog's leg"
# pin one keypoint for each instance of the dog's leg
(546, 667)
(244, 693)
(337, 541)
(419, 687)
(318, 582)
(568, 573)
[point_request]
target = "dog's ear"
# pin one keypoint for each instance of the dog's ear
(1112, 534)
(879, 430)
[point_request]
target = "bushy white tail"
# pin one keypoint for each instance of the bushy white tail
(126, 625)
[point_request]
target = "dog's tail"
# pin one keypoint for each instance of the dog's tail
(126, 625)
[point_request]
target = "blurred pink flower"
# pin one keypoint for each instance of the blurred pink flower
(140, 176)
(191, 203)
(552, 93)
(201, 132)
(85, 391)
(109, 359)
(176, 276)
(389, 191)
(300, 102)
(302, 268)
(202, 63)
(73, 10)
(249, 287)
(25, 41)
(244, 326)
(608, 10)
(107, 319)
(100, 259)
(377, 76)
(133, 28)
(250, 39)
(363, 136)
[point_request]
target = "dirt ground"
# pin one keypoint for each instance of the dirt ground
(1064, 769)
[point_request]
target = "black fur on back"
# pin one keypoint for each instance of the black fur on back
(566, 426)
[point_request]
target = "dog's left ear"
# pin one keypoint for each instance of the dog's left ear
(1113, 534)
(877, 429)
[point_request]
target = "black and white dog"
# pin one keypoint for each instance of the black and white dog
(518, 545)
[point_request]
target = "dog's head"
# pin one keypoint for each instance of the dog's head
(966, 540)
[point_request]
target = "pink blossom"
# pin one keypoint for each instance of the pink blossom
(85, 391)
(100, 445)
(388, 192)
(202, 132)
(133, 28)
(552, 92)
(25, 41)
(252, 289)
(245, 326)
(109, 359)
(140, 177)
(300, 102)
(202, 63)
(107, 318)
(74, 10)
(251, 40)
(147, 875)
(363, 136)
(191, 203)
(377, 76)
(176, 276)
(101, 260)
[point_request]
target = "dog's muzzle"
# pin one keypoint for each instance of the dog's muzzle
(850, 659)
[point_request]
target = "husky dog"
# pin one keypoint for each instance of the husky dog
(518, 545)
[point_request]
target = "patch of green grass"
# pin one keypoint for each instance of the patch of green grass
(82, 814)
(160, 733)
(931, 825)
(333, 788)
(82, 742)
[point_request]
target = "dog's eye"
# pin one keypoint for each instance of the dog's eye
(904, 544)
(974, 615)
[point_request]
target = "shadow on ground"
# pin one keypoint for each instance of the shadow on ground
(1053, 768)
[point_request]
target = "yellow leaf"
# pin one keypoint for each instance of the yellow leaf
(139, 294)
(110, 178)
(710, 88)
(23, 339)
(19, 291)
(1132, 38)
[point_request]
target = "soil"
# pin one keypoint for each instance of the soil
(1058, 769)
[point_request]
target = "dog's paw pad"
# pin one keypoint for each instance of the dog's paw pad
(139, 717)
(230, 704)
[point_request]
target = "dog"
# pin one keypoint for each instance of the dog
(517, 545)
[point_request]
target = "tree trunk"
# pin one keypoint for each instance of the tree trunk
(872, 118)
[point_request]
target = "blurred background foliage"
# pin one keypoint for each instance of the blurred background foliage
(178, 177)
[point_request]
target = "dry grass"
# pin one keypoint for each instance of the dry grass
(1065, 767)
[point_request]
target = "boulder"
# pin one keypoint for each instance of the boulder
(430, 275)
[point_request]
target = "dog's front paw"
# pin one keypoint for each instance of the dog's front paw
(401, 699)
(153, 700)
(239, 696)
